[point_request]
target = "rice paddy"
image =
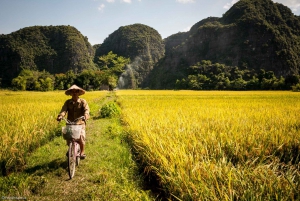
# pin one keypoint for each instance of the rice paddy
(217, 145)
(28, 121)
(199, 145)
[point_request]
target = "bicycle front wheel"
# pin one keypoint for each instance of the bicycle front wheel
(78, 155)
(71, 160)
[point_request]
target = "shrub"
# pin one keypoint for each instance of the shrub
(110, 109)
(296, 88)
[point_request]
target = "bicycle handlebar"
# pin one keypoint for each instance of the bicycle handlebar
(73, 122)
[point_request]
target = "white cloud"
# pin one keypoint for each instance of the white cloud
(187, 29)
(185, 1)
(126, 1)
(228, 5)
(110, 1)
(101, 7)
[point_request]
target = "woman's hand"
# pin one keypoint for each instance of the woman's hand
(59, 118)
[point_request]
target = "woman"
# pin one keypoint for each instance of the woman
(76, 107)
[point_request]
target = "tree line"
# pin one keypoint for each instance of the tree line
(110, 67)
(206, 75)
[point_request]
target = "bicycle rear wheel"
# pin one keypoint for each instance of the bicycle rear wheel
(71, 160)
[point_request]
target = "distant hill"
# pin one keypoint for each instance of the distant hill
(55, 49)
(142, 44)
(252, 34)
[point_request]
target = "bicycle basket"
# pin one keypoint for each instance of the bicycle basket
(71, 131)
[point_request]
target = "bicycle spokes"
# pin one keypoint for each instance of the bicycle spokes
(72, 160)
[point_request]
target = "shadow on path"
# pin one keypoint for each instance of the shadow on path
(48, 167)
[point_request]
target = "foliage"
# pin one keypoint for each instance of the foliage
(88, 79)
(112, 82)
(55, 49)
(142, 44)
(251, 35)
(113, 66)
(296, 87)
(208, 76)
(114, 63)
(33, 80)
(110, 109)
(129, 41)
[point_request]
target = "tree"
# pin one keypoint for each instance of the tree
(60, 80)
(70, 79)
(19, 83)
(34, 80)
(238, 84)
(253, 83)
(85, 78)
(47, 84)
(112, 67)
(112, 82)
(98, 79)
(113, 63)
(193, 82)
(292, 80)
(46, 80)
(181, 84)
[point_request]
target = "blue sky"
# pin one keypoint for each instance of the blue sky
(96, 19)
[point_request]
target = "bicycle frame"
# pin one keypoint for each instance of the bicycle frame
(73, 151)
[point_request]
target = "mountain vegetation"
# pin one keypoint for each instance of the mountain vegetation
(254, 45)
(252, 35)
(142, 44)
(55, 49)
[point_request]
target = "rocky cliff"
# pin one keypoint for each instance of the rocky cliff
(253, 34)
(142, 44)
(55, 49)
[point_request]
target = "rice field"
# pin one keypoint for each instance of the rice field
(201, 145)
(217, 145)
(28, 121)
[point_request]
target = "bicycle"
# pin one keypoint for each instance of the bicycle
(72, 132)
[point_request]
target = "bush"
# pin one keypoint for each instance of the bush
(110, 109)
(296, 88)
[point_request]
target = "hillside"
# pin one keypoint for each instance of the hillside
(252, 34)
(52, 48)
(142, 44)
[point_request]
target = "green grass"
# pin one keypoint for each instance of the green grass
(108, 172)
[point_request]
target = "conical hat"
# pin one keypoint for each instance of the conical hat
(75, 87)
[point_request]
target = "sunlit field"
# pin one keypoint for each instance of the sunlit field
(217, 145)
(29, 120)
